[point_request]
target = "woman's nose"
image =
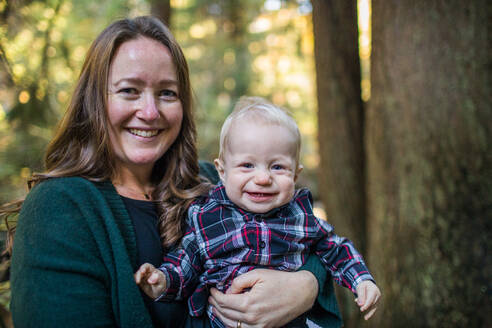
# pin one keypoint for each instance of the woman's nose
(148, 108)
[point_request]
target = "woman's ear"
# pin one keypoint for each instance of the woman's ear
(219, 166)
(298, 171)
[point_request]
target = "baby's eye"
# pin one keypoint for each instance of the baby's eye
(168, 94)
(247, 165)
(277, 167)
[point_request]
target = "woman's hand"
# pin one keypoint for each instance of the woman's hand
(273, 298)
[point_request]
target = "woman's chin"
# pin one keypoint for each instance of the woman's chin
(142, 160)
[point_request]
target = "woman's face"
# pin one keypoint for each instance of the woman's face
(144, 109)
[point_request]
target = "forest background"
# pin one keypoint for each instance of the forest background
(392, 99)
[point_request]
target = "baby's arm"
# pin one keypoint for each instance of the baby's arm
(367, 297)
(340, 257)
(151, 280)
(182, 265)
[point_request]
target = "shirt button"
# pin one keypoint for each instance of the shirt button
(262, 244)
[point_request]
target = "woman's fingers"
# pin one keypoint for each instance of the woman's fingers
(243, 282)
(229, 319)
(231, 308)
(223, 302)
(267, 303)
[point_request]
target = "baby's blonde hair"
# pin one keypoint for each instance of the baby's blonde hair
(261, 111)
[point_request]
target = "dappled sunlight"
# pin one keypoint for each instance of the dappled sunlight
(24, 97)
(260, 25)
(364, 18)
(203, 29)
(180, 4)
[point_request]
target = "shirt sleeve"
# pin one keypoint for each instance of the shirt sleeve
(340, 257)
(182, 265)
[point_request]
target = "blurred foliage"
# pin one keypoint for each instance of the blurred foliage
(234, 48)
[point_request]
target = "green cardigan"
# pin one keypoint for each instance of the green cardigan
(74, 257)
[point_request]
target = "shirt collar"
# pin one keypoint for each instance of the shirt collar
(219, 195)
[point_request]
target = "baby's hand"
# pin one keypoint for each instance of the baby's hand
(151, 280)
(368, 295)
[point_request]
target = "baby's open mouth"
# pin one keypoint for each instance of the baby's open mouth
(259, 194)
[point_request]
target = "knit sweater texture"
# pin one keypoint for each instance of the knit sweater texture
(73, 259)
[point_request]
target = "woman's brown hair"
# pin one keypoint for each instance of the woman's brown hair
(81, 145)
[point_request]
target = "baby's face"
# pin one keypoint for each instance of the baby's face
(259, 169)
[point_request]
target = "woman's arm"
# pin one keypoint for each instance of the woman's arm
(63, 268)
(275, 298)
(270, 304)
(51, 279)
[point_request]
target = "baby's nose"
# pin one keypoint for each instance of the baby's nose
(262, 177)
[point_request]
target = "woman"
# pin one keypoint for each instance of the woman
(120, 172)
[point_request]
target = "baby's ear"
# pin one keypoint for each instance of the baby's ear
(219, 166)
(298, 171)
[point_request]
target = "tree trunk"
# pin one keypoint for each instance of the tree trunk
(428, 140)
(340, 127)
(234, 14)
(162, 10)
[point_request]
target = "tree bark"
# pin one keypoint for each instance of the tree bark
(428, 140)
(162, 10)
(340, 127)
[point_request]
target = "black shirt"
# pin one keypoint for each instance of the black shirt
(149, 249)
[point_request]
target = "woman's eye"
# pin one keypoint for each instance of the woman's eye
(168, 94)
(128, 91)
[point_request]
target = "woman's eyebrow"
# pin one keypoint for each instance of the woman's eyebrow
(168, 82)
(138, 81)
(129, 80)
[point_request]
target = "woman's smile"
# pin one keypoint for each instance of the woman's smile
(144, 133)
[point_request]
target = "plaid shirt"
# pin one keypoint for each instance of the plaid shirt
(223, 241)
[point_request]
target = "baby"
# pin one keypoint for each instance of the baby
(254, 218)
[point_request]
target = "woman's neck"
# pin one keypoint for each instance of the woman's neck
(134, 184)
